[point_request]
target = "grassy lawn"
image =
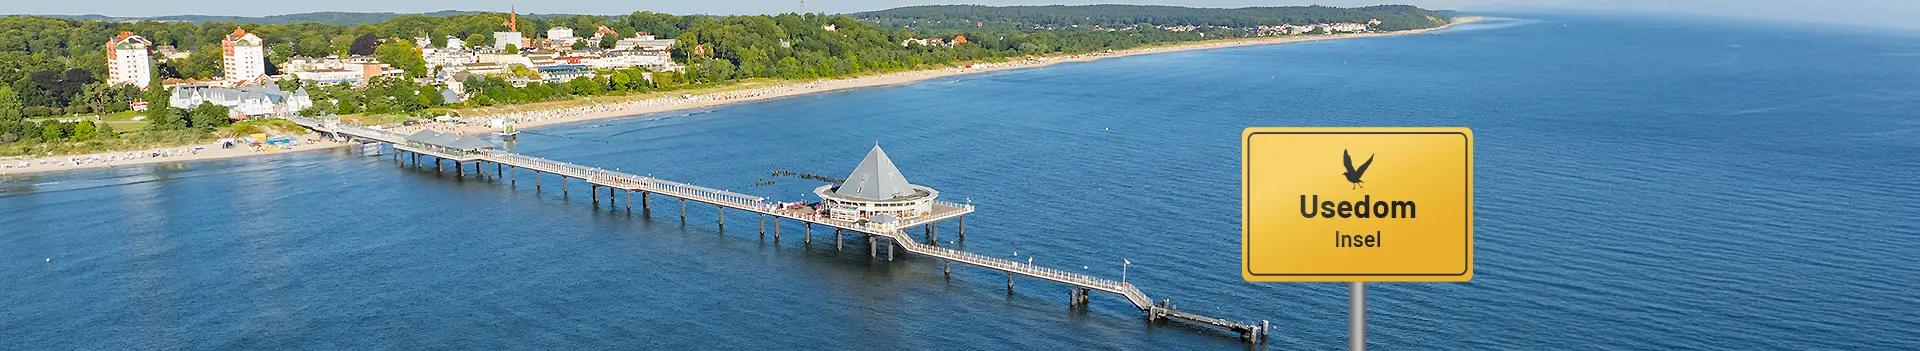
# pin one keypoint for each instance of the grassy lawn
(141, 140)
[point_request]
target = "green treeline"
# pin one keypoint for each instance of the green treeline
(56, 66)
(1392, 17)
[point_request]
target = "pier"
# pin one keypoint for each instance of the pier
(894, 234)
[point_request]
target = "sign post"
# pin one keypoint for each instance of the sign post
(1356, 205)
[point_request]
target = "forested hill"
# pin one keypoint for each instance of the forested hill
(1392, 17)
(333, 18)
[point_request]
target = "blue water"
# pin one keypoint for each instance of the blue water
(1642, 184)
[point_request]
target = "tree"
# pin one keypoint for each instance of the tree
(512, 49)
(609, 42)
(313, 45)
(52, 132)
(716, 70)
(10, 108)
(403, 55)
(585, 86)
(208, 116)
(203, 62)
(476, 39)
(106, 132)
(789, 68)
(364, 45)
(579, 45)
(83, 131)
(160, 113)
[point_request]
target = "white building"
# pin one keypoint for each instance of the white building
(643, 41)
(456, 43)
(448, 59)
(502, 39)
(332, 70)
(658, 60)
(246, 56)
(244, 101)
(924, 42)
(128, 60)
(559, 34)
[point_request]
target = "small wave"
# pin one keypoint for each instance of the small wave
(1754, 111)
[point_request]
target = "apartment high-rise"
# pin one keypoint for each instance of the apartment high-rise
(246, 55)
(129, 60)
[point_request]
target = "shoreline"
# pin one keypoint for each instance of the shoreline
(670, 104)
(547, 117)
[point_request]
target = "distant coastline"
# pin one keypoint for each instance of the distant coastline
(635, 107)
(669, 104)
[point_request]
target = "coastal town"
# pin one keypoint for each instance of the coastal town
(246, 90)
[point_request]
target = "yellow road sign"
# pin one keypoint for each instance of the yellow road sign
(1356, 204)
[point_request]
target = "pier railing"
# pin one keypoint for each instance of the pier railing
(623, 180)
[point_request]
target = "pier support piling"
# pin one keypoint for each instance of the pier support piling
(645, 204)
(872, 251)
(629, 201)
(721, 211)
(809, 236)
(683, 209)
(963, 228)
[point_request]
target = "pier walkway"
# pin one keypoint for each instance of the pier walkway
(597, 178)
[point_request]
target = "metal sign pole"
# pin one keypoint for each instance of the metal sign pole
(1357, 316)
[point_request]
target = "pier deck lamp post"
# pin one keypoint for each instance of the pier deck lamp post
(1123, 269)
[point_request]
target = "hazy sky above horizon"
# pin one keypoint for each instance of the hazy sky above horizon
(1887, 13)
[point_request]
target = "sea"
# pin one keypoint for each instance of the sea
(1641, 183)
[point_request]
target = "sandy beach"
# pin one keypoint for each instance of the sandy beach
(523, 120)
(172, 154)
(665, 104)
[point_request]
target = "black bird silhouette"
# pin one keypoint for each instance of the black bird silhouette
(1353, 174)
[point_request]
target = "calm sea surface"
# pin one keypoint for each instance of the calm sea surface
(1642, 184)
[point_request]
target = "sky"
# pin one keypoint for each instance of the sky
(1878, 13)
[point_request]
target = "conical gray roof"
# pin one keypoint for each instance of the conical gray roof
(875, 179)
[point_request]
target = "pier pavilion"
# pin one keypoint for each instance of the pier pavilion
(876, 192)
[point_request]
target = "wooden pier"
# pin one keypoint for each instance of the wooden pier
(722, 200)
